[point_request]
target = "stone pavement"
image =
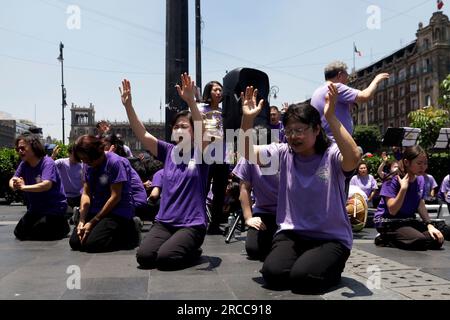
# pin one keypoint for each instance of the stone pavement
(38, 270)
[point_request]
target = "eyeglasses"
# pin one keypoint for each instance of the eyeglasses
(296, 131)
(21, 148)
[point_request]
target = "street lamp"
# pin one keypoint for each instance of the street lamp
(63, 90)
(273, 92)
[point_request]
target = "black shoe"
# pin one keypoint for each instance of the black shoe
(379, 241)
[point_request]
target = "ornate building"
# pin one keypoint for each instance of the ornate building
(416, 73)
(83, 122)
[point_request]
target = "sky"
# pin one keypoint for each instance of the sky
(290, 40)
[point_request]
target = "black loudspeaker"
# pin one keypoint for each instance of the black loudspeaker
(235, 82)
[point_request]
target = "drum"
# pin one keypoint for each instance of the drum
(357, 210)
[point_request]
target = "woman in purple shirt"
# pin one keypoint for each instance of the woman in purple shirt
(175, 238)
(40, 181)
(314, 235)
(365, 181)
(106, 210)
(401, 197)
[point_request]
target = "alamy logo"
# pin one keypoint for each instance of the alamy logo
(374, 20)
(374, 280)
(74, 20)
(74, 280)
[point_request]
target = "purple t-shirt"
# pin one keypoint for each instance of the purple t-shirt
(183, 198)
(53, 201)
(137, 188)
(444, 191)
(430, 184)
(265, 187)
(71, 177)
(390, 189)
(113, 170)
(157, 178)
(366, 183)
(311, 196)
(347, 96)
(281, 134)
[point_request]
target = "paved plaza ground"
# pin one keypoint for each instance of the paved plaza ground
(41, 270)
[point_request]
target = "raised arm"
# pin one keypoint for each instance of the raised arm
(250, 111)
(368, 93)
(346, 144)
(149, 142)
(187, 92)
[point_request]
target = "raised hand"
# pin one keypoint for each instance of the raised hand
(18, 183)
(187, 90)
(404, 182)
(249, 107)
(382, 76)
(55, 152)
(330, 100)
(384, 156)
(125, 93)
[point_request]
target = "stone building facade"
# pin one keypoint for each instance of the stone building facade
(416, 73)
(83, 122)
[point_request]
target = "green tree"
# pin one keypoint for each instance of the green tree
(444, 100)
(430, 120)
(368, 138)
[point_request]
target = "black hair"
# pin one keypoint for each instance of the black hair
(183, 113)
(114, 140)
(89, 146)
(207, 90)
(307, 114)
(411, 153)
(34, 142)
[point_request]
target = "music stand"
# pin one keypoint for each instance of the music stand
(401, 137)
(443, 140)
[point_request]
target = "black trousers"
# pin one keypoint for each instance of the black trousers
(259, 242)
(218, 173)
(304, 265)
(408, 235)
(170, 248)
(112, 233)
(42, 227)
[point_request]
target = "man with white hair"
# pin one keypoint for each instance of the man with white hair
(336, 72)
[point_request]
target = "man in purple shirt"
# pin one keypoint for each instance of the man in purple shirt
(40, 181)
(444, 190)
(336, 72)
(276, 124)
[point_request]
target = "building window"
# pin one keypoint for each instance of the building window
(414, 104)
(391, 95)
(412, 70)
(402, 108)
(381, 113)
(426, 65)
(371, 117)
(413, 87)
(402, 75)
(427, 83)
(402, 91)
(380, 98)
(428, 101)
(391, 111)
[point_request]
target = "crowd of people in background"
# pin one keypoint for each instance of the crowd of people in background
(296, 216)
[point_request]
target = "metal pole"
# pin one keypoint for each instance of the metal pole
(198, 44)
(63, 90)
